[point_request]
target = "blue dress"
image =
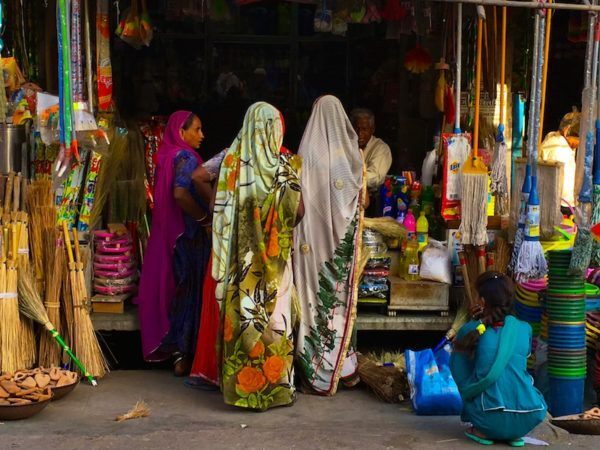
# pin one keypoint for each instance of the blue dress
(192, 251)
(509, 406)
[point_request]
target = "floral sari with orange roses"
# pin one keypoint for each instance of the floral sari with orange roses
(255, 209)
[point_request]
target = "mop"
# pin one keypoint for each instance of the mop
(474, 187)
(531, 262)
(526, 187)
(499, 185)
(582, 249)
(457, 145)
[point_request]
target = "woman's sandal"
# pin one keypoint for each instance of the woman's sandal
(478, 439)
(182, 366)
(517, 442)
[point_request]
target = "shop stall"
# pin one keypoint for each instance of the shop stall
(466, 94)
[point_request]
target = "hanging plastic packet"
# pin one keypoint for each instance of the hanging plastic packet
(89, 192)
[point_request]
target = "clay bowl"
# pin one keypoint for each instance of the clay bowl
(61, 392)
(18, 412)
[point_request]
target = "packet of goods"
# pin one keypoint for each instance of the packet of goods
(457, 148)
(89, 192)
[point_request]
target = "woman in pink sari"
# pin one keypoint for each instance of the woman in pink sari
(170, 296)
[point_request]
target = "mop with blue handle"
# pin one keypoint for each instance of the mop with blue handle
(531, 262)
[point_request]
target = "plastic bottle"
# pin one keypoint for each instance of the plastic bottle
(427, 201)
(388, 200)
(415, 197)
(411, 225)
(422, 231)
(412, 261)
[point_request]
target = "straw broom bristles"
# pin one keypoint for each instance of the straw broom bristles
(40, 200)
(386, 226)
(9, 319)
(50, 353)
(85, 340)
(390, 384)
(30, 305)
(28, 351)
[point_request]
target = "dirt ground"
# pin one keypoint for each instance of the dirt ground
(182, 418)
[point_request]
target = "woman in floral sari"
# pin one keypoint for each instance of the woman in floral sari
(256, 209)
(325, 246)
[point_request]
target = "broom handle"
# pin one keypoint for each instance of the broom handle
(545, 72)
(8, 191)
(69, 352)
(458, 67)
(477, 87)
(463, 264)
(16, 193)
(68, 243)
(502, 65)
(76, 242)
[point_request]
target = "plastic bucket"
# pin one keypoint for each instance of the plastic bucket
(566, 396)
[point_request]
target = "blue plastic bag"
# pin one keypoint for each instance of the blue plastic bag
(433, 390)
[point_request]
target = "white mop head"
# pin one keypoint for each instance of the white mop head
(473, 204)
(531, 263)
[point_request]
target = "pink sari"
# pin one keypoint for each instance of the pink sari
(157, 285)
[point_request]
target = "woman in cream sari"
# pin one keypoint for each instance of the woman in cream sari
(326, 245)
(256, 208)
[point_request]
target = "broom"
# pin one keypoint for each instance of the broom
(30, 305)
(499, 185)
(582, 249)
(50, 354)
(10, 324)
(386, 226)
(84, 339)
(387, 382)
(531, 262)
(9, 317)
(473, 226)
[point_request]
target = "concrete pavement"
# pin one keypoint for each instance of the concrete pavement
(183, 418)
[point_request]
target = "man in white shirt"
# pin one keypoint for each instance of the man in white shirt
(377, 154)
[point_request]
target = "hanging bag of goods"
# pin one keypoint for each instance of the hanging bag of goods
(104, 66)
(135, 27)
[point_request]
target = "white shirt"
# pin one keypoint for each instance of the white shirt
(378, 159)
(556, 148)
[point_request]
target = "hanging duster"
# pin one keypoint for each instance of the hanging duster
(474, 188)
(83, 120)
(582, 249)
(531, 262)
(499, 185)
(68, 145)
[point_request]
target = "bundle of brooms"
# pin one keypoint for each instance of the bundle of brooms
(388, 382)
(84, 339)
(31, 306)
(17, 338)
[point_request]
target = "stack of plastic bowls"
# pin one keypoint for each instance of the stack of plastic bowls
(529, 309)
(565, 306)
